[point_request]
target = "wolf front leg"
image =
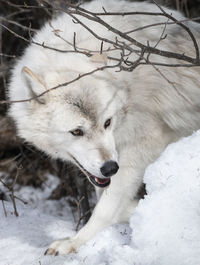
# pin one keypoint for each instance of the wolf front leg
(115, 206)
(118, 200)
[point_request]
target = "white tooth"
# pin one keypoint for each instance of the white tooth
(96, 179)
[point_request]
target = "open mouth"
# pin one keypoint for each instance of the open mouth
(99, 182)
(102, 183)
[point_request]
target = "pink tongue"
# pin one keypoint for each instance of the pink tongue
(101, 181)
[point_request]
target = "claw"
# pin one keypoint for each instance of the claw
(50, 251)
(62, 247)
(45, 253)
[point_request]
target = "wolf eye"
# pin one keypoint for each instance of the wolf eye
(107, 123)
(77, 132)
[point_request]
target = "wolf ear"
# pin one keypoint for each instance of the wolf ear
(34, 83)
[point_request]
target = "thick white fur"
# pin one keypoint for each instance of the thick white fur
(147, 112)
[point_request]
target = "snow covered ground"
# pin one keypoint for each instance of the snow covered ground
(163, 230)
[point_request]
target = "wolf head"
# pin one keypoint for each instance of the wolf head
(76, 122)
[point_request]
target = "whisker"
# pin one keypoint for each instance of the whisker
(79, 165)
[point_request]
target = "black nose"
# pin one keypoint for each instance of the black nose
(109, 168)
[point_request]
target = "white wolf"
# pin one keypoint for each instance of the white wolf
(109, 123)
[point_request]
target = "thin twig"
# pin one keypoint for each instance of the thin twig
(4, 208)
(7, 55)
(161, 23)
(172, 84)
(184, 27)
(20, 199)
(17, 24)
(14, 203)
(11, 190)
(148, 49)
(78, 203)
(61, 85)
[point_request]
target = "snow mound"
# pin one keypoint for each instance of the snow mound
(164, 229)
(166, 224)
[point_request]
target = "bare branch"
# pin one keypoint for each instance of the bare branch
(4, 208)
(123, 63)
(61, 85)
(76, 9)
(11, 190)
(184, 27)
(160, 24)
(148, 49)
(17, 24)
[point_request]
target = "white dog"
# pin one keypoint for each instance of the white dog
(108, 123)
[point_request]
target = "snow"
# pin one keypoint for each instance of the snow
(164, 229)
(166, 225)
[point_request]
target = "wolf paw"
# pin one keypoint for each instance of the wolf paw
(62, 247)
